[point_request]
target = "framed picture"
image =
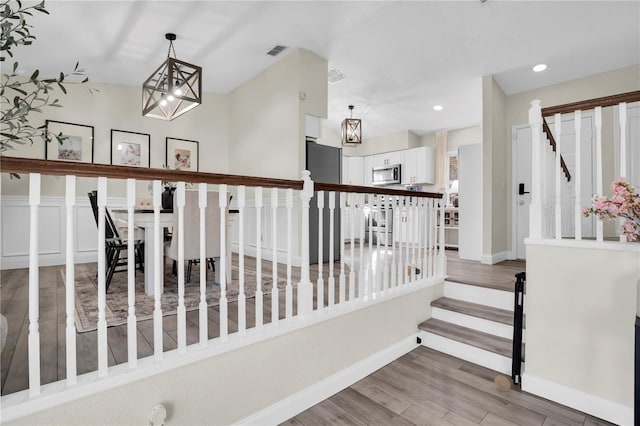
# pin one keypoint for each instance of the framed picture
(77, 145)
(130, 148)
(182, 154)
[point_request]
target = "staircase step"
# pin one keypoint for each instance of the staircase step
(490, 313)
(478, 339)
(480, 295)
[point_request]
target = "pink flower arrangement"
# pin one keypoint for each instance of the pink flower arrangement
(624, 203)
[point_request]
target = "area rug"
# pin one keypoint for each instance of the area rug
(86, 292)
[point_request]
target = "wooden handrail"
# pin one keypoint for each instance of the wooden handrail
(604, 101)
(547, 130)
(320, 186)
(61, 168)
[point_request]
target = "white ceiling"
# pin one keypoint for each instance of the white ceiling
(401, 57)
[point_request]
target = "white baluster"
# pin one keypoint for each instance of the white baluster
(425, 237)
(242, 300)
(535, 208)
(432, 221)
(34, 284)
(102, 287)
(289, 288)
(342, 279)
(352, 274)
(559, 175)
(70, 201)
(362, 271)
(386, 206)
(397, 219)
(202, 306)
(578, 178)
(442, 258)
(224, 307)
(305, 288)
(408, 277)
(403, 238)
(320, 290)
(132, 334)
(331, 281)
(258, 296)
(157, 276)
(376, 267)
(598, 122)
(622, 122)
(275, 294)
(181, 312)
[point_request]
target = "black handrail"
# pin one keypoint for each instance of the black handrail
(518, 319)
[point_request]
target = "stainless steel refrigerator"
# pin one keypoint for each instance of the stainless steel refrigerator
(325, 164)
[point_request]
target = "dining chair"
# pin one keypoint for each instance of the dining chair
(192, 231)
(115, 244)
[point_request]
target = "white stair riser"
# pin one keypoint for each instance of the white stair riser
(469, 353)
(480, 295)
(474, 323)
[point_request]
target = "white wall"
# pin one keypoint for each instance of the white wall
(234, 385)
(119, 107)
(581, 306)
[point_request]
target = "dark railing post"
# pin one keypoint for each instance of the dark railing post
(636, 397)
(518, 317)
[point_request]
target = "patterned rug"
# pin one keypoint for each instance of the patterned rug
(86, 290)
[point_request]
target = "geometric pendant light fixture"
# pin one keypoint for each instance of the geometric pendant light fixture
(351, 130)
(173, 89)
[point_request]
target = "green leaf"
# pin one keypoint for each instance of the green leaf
(34, 76)
(15, 66)
(9, 135)
(62, 88)
(61, 77)
(85, 80)
(76, 67)
(19, 91)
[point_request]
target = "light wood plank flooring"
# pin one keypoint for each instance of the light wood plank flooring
(500, 276)
(426, 387)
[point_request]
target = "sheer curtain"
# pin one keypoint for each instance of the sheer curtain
(442, 165)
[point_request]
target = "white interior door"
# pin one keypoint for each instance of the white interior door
(522, 175)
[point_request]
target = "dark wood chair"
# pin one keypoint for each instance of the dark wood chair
(114, 244)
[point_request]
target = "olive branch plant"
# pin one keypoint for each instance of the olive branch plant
(19, 96)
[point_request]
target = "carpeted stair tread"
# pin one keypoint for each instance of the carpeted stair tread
(475, 310)
(488, 342)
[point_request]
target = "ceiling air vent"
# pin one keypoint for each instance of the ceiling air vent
(335, 76)
(276, 50)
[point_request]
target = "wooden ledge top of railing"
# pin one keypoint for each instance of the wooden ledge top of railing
(320, 186)
(62, 168)
(605, 101)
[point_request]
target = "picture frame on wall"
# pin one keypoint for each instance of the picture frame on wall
(130, 148)
(77, 145)
(182, 154)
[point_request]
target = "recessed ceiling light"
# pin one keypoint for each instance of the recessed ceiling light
(540, 67)
(438, 107)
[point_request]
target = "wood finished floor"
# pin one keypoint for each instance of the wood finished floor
(425, 387)
(500, 276)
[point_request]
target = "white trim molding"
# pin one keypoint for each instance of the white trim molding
(590, 404)
(492, 259)
(585, 244)
(307, 398)
(481, 295)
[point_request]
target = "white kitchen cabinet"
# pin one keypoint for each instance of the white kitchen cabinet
(418, 166)
(353, 170)
(368, 167)
(387, 159)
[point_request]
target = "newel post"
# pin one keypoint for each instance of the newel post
(305, 291)
(535, 209)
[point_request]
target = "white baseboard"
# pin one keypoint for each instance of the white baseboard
(590, 404)
(251, 250)
(474, 323)
(481, 295)
(297, 403)
(469, 353)
(492, 259)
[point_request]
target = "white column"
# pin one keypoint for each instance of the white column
(242, 300)
(202, 306)
(258, 297)
(535, 209)
(132, 333)
(622, 122)
(34, 286)
(157, 278)
(305, 288)
(70, 201)
(102, 288)
(559, 175)
(598, 122)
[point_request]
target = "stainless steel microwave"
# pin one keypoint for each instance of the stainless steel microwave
(386, 175)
